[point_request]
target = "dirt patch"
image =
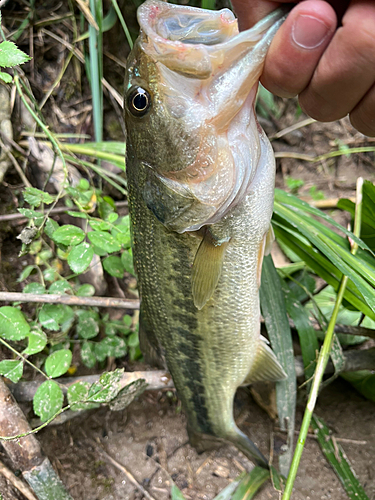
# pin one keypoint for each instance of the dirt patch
(149, 439)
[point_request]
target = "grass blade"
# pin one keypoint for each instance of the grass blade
(322, 361)
(96, 67)
(176, 493)
(277, 324)
(123, 23)
(250, 484)
(306, 333)
(337, 459)
(321, 266)
(226, 493)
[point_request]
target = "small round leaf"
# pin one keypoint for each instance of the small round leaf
(105, 241)
(58, 363)
(80, 257)
(48, 400)
(68, 235)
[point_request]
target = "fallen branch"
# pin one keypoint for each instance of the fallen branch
(156, 380)
(17, 483)
(70, 300)
(26, 453)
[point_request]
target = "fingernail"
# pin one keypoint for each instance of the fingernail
(309, 32)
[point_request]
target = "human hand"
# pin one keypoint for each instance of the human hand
(330, 68)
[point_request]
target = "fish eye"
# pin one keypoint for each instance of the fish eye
(138, 101)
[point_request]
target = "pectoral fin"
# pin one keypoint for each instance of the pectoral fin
(270, 238)
(264, 249)
(207, 267)
(266, 367)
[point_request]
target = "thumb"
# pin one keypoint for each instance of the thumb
(249, 12)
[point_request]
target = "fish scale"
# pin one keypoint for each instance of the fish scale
(199, 289)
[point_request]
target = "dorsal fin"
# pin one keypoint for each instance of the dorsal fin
(207, 267)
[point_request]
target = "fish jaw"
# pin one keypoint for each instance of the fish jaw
(201, 135)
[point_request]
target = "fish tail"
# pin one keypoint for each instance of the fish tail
(203, 442)
(248, 448)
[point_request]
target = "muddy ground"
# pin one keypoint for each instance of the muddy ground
(149, 438)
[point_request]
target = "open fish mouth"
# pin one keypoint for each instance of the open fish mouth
(194, 41)
(187, 25)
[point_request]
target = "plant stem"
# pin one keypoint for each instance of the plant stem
(23, 358)
(323, 357)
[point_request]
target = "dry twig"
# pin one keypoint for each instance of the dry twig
(17, 483)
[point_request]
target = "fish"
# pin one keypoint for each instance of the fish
(201, 173)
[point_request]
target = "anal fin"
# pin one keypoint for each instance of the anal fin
(266, 366)
(207, 267)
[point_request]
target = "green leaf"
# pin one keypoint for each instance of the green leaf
(338, 460)
(35, 197)
(87, 327)
(13, 325)
(5, 77)
(86, 290)
(37, 342)
(106, 388)
(363, 381)
(77, 396)
(68, 235)
(50, 227)
(26, 272)
(11, 55)
(60, 287)
(133, 339)
(11, 369)
(277, 324)
(226, 493)
(110, 346)
(32, 214)
(251, 483)
(320, 265)
(307, 336)
(127, 261)
(88, 354)
(113, 266)
(104, 241)
(36, 288)
(176, 493)
(58, 363)
(50, 316)
(80, 257)
(48, 400)
(128, 394)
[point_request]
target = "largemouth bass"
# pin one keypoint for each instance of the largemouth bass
(200, 175)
